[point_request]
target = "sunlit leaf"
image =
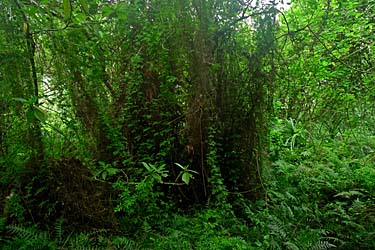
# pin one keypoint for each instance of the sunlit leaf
(112, 171)
(186, 177)
(39, 114)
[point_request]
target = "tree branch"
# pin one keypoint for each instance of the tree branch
(338, 59)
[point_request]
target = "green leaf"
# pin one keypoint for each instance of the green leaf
(192, 171)
(39, 114)
(84, 5)
(112, 171)
(20, 100)
(349, 194)
(186, 177)
(148, 167)
(67, 9)
(107, 11)
(179, 165)
(156, 177)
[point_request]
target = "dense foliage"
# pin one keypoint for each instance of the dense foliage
(187, 124)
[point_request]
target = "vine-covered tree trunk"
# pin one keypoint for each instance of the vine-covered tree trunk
(35, 133)
(25, 83)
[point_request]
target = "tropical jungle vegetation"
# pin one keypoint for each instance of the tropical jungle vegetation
(187, 124)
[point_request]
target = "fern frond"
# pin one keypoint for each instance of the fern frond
(25, 233)
(86, 241)
(97, 232)
(29, 238)
(146, 227)
(291, 246)
(322, 245)
(59, 229)
(40, 246)
(87, 248)
(123, 243)
(278, 229)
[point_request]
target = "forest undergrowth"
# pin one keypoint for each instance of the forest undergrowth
(319, 194)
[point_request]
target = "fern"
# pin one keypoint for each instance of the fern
(291, 246)
(123, 243)
(322, 245)
(59, 229)
(278, 229)
(87, 248)
(80, 241)
(29, 238)
(146, 228)
(86, 241)
(24, 233)
(97, 232)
